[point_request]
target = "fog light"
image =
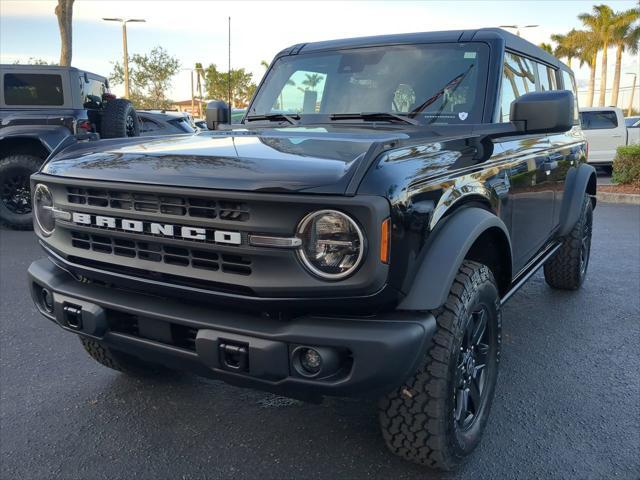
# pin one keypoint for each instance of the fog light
(47, 300)
(310, 360)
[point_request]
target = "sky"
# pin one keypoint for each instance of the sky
(196, 31)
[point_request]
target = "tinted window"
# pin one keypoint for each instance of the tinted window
(92, 92)
(632, 121)
(518, 78)
(444, 83)
(147, 125)
(33, 89)
(183, 124)
(546, 77)
(570, 84)
(598, 120)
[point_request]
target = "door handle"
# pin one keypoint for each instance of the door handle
(616, 136)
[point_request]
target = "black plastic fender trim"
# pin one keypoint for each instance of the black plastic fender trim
(578, 182)
(444, 256)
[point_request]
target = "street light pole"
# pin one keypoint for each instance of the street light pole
(633, 91)
(126, 59)
(124, 48)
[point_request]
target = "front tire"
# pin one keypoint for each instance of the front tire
(438, 416)
(15, 192)
(567, 269)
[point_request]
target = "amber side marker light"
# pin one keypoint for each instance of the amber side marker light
(385, 240)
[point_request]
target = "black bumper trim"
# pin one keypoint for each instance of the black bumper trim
(383, 350)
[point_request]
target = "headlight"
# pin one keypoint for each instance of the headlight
(332, 244)
(43, 209)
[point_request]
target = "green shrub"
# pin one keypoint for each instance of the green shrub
(626, 165)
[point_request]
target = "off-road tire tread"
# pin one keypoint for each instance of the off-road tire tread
(413, 428)
(562, 271)
(33, 163)
(112, 118)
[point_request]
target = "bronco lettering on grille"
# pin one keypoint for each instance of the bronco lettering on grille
(163, 229)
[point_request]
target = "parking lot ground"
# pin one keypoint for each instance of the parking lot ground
(567, 402)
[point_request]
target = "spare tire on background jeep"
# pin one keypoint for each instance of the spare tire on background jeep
(119, 119)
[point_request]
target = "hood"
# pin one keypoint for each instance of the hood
(311, 160)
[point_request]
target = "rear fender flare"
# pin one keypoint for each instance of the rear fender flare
(579, 181)
(444, 255)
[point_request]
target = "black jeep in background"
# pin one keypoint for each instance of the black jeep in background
(358, 234)
(40, 106)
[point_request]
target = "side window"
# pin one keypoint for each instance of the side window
(570, 84)
(546, 77)
(147, 125)
(598, 120)
(518, 78)
(33, 89)
(302, 93)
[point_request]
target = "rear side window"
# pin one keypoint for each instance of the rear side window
(599, 120)
(570, 84)
(33, 89)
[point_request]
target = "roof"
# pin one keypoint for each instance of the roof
(18, 66)
(511, 41)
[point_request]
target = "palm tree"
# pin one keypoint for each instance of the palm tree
(566, 46)
(311, 80)
(626, 36)
(546, 47)
(587, 45)
(602, 22)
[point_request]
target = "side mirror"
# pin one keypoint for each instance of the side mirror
(217, 113)
(543, 112)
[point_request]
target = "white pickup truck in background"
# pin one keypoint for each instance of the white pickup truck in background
(606, 130)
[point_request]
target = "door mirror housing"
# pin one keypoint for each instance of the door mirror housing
(543, 112)
(217, 113)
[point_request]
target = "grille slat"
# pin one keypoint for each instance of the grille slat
(157, 252)
(152, 203)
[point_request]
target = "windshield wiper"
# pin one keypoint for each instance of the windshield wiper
(375, 116)
(292, 119)
(454, 84)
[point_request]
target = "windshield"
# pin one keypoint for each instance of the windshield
(435, 83)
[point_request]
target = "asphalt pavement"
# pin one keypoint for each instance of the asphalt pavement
(567, 402)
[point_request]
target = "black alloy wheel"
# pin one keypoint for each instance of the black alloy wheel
(472, 371)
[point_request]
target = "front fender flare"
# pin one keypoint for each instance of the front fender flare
(444, 255)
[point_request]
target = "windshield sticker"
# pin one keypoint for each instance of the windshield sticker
(463, 115)
(469, 54)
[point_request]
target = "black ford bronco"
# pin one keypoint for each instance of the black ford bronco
(357, 234)
(40, 107)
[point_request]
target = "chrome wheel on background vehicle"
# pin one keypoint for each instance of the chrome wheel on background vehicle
(130, 125)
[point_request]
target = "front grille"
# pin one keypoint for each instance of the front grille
(153, 203)
(158, 252)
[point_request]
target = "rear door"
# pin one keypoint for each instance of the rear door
(604, 133)
(531, 192)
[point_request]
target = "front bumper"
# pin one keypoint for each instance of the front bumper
(364, 355)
